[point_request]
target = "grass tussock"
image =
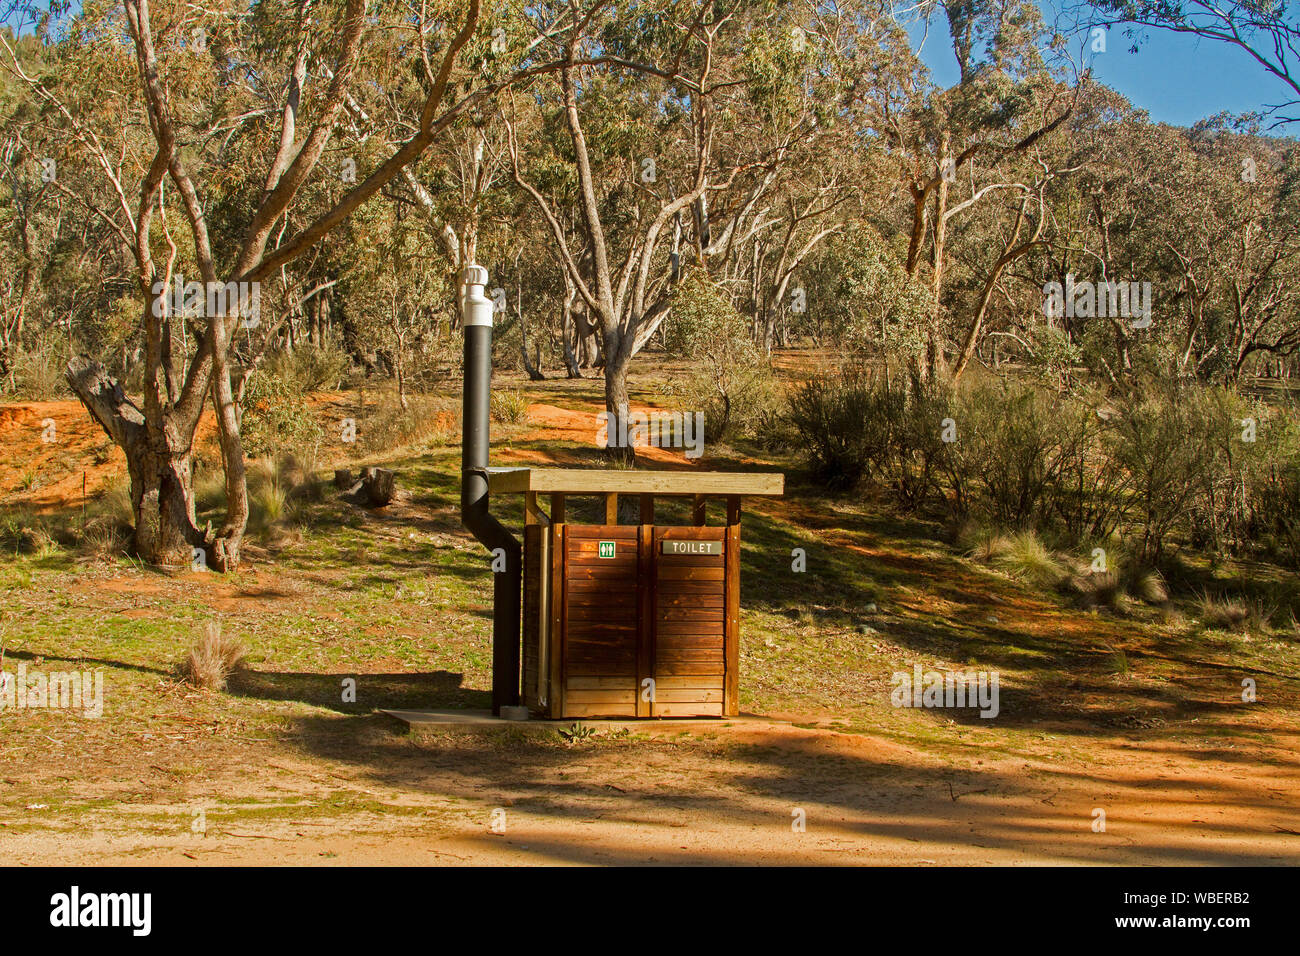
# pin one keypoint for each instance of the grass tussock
(212, 659)
(508, 407)
(1022, 555)
(268, 496)
(1112, 578)
(1026, 557)
(1222, 613)
(102, 539)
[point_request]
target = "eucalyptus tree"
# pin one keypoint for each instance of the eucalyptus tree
(953, 145)
(178, 94)
(661, 146)
(1235, 276)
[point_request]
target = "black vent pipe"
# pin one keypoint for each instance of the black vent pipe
(476, 317)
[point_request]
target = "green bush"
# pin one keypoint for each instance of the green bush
(1009, 451)
(1027, 457)
(863, 422)
(838, 424)
(730, 376)
(276, 415)
(1272, 481)
(1169, 442)
(1166, 464)
(917, 414)
(310, 368)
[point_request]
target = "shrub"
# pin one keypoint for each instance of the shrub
(729, 374)
(508, 406)
(310, 368)
(1168, 445)
(1008, 451)
(838, 425)
(115, 501)
(1219, 512)
(212, 659)
(1273, 483)
(24, 531)
(863, 422)
(1124, 578)
(275, 415)
(268, 494)
(1162, 464)
(1088, 494)
(915, 411)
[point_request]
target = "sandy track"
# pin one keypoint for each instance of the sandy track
(718, 800)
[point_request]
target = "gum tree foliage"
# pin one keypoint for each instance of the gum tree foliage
(1207, 215)
(958, 147)
(207, 126)
(396, 287)
(667, 134)
(727, 368)
(882, 309)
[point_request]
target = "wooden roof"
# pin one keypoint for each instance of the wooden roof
(591, 481)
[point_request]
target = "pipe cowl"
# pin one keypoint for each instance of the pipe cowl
(476, 307)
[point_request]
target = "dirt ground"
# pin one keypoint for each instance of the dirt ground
(727, 797)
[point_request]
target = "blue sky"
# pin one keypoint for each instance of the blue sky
(1177, 79)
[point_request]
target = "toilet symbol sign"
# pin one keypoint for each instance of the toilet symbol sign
(605, 549)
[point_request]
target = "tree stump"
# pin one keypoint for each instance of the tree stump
(379, 485)
(343, 478)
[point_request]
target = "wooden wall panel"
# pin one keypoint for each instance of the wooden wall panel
(559, 599)
(533, 573)
(731, 700)
(642, 613)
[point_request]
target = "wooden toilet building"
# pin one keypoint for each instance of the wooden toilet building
(623, 620)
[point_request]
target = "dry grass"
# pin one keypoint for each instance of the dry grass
(212, 659)
(428, 421)
(508, 406)
(102, 539)
(1229, 614)
(1025, 557)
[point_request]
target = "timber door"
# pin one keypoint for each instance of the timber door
(602, 588)
(690, 622)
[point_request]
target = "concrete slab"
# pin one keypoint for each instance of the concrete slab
(443, 721)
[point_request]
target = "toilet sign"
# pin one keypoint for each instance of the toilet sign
(605, 549)
(675, 546)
